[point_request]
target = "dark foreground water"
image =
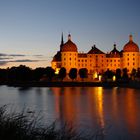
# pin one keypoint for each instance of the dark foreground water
(113, 113)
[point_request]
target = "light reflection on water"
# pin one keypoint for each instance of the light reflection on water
(116, 111)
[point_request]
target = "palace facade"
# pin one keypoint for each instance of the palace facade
(95, 60)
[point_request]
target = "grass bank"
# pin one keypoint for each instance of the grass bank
(19, 126)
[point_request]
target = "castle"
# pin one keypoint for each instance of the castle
(95, 60)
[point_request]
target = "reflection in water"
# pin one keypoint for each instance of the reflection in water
(97, 107)
(88, 108)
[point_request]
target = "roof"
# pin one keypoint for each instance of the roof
(114, 53)
(57, 57)
(82, 55)
(69, 46)
(95, 50)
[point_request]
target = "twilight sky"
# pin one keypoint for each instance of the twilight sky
(30, 30)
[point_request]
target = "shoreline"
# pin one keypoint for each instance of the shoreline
(130, 84)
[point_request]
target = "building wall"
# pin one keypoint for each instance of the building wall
(69, 60)
(131, 60)
(113, 63)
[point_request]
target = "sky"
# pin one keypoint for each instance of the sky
(30, 30)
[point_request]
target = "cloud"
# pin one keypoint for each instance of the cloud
(25, 60)
(16, 55)
(17, 58)
(3, 63)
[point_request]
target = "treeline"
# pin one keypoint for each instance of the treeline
(24, 73)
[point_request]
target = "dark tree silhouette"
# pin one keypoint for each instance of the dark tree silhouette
(133, 74)
(73, 73)
(138, 73)
(118, 74)
(108, 74)
(50, 73)
(125, 74)
(3, 75)
(21, 73)
(38, 73)
(83, 73)
(62, 73)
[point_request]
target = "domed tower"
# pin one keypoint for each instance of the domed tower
(69, 54)
(130, 55)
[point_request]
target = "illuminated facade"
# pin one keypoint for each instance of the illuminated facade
(95, 60)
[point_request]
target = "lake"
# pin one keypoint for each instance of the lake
(112, 112)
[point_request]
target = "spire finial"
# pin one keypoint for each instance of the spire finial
(130, 37)
(114, 45)
(62, 41)
(69, 36)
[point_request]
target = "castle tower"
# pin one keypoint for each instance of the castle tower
(69, 55)
(130, 55)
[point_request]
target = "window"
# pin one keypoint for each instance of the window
(133, 64)
(114, 60)
(78, 60)
(133, 54)
(128, 59)
(70, 58)
(85, 60)
(128, 64)
(82, 60)
(110, 60)
(64, 58)
(107, 60)
(133, 58)
(127, 54)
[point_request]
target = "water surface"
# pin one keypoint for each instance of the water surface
(113, 113)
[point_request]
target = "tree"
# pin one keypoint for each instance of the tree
(50, 72)
(118, 74)
(108, 74)
(133, 74)
(83, 73)
(73, 73)
(62, 73)
(38, 73)
(125, 74)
